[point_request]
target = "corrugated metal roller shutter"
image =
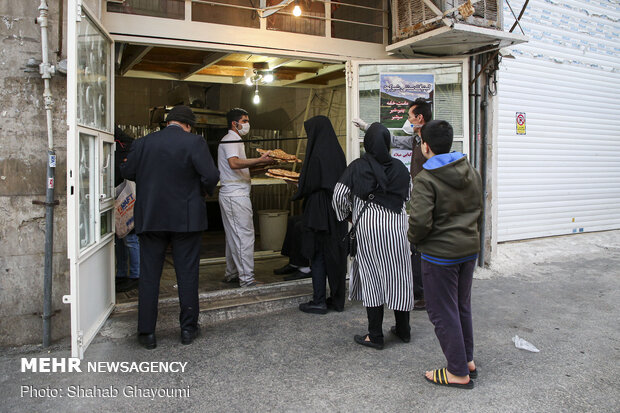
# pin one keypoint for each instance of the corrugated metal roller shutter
(563, 175)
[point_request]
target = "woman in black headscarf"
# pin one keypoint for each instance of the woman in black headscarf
(372, 193)
(322, 232)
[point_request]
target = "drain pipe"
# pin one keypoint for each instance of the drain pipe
(47, 71)
(484, 118)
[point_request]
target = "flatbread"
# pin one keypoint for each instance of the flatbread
(284, 172)
(284, 178)
(279, 154)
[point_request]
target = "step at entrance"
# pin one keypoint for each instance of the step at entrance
(214, 307)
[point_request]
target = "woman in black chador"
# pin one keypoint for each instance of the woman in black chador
(322, 232)
(373, 191)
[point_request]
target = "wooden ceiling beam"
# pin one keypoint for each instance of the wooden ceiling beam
(133, 58)
(209, 60)
(307, 76)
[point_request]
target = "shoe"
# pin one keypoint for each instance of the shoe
(362, 340)
(147, 340)
(298, 275)
(331, 306)
(253, 284)
(473, 374)
(440, 377)
(287, 269)
(419, 305)
(312, 308)
(130, 284)
(187, 336)
(405, 339)
(230, 281)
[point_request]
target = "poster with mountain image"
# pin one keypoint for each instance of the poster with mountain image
(398, 91)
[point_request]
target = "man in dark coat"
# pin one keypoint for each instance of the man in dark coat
(173, 170)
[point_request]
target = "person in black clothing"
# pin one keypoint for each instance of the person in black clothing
(173, 170)
(129, 246)
(322, 233)
(298, 266)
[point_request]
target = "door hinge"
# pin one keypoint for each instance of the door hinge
(80, 338)
(67, 299)
(78, 16)
(349, 75)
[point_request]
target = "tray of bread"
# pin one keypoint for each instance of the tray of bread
(279, 155)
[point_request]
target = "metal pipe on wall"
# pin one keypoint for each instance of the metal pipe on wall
(484, 104)
(47, 71)
(472, 118)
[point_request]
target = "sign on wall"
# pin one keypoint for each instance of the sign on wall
(520, 121)
(398, 91)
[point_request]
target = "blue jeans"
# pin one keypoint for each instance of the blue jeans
(128, 247)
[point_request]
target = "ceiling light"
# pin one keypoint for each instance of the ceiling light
(248, 81)
(268, 78)
(296, 10)
(256, 98)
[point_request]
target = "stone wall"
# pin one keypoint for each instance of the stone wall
(23, 156)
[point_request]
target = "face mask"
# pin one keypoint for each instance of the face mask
(408, 127)
(245, 128)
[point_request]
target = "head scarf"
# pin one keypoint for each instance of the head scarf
(324, 162)
(378, 173)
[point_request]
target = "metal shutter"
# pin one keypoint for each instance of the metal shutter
(563, 175)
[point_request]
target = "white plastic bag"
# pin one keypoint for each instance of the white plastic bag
(524, 345)
(123, 208)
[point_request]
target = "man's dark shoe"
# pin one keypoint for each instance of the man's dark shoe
(312, 308)
(298, 275)
(187, 336)
(130, 284)
(287, 269)
(419, 305)
(405, 339)
(147, 340)
(362, 340)
(331, 306)
(230, 281)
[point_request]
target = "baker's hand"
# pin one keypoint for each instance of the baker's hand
(360, 124)
(265, 159)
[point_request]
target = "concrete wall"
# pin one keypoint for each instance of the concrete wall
(23, 155)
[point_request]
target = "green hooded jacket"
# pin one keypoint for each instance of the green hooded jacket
(446, 208)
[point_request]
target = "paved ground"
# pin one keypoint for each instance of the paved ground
(562, 294)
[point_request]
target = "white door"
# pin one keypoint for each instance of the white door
(379, 91)
(90, 181)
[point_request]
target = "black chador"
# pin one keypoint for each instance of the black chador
(323, 233)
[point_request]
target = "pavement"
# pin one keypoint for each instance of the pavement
(560, 293)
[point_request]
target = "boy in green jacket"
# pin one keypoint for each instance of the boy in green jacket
(445, 227)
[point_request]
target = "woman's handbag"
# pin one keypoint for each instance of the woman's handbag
(350, 239)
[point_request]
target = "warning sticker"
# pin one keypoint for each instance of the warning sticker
(520, 123)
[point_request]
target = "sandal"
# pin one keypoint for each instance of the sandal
(473, 374)
(440, 377)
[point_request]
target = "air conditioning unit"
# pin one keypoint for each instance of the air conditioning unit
(413, 17)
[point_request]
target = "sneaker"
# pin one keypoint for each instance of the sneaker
(253, 284)
(130, 284)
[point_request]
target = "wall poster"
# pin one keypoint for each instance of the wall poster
(398, 91)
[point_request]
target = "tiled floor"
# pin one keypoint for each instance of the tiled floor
(212, 273)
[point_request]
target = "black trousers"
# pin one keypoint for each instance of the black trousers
(416, 266)
(375, 323)
(186, 255)
(291, 247)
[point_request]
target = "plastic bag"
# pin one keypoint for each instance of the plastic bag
(123, 208)
(524, 345)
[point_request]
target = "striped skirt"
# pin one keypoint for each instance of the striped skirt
(381, 271)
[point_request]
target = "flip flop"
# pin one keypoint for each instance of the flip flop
(473, 374)
(440, 378)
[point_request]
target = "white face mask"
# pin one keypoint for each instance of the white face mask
(408, 127)
(245, 128)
